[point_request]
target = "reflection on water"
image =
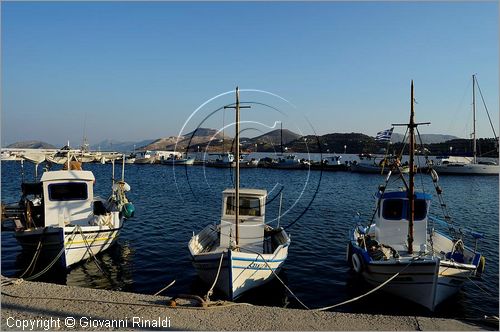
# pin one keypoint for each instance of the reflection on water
(110, 270)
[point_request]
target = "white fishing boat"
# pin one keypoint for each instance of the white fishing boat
(174, 160)
(474, 166)
(222, 160)
(400, 250)
(59, 216)
(288, 162)
(376, 165)
(144, 157)
(242, 251)
(247, 162)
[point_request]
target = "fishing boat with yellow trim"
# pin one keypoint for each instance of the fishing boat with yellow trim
(58, 216)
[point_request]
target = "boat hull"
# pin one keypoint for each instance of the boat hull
(427, 281)
(78, 244)
(221, 164)
(240, 271)
(178, 162)
(468, 169)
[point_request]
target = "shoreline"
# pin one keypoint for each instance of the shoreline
(44, 306)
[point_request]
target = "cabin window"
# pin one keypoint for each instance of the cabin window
(420, 209)
(248, 206)
(72, 191)
(393, 209)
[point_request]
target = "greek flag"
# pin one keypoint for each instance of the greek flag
(384, 136)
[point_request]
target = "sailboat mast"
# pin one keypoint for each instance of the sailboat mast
(411, 189)
(474, 151)
(237, 176)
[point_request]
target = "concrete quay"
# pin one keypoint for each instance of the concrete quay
(36, 306)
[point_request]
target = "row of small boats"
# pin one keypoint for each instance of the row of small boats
(399, 249)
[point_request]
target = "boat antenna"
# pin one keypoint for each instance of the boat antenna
(237, 175)
(411, 187)
(474, 151)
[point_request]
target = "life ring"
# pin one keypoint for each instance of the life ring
(357, 262)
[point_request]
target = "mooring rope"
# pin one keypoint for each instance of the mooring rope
(164, 288)
(210, 291)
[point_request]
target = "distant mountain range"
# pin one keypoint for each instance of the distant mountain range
(113, 145)
(206, 139)
(426, 138)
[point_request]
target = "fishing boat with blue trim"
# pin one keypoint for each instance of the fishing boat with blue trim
(400, 250)
(239, 257)
(59, 218)
(242, 251)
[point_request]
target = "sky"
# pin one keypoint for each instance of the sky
(130, 71)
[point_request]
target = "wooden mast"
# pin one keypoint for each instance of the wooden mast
(411, 189)
(237, 173)
(474, 146)
(237, 180)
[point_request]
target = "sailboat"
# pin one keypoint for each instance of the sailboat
(242, 251)
(464, 166)
(399, 249)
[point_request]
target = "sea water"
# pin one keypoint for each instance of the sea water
(318, 210)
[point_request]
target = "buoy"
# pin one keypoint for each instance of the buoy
(128, 210)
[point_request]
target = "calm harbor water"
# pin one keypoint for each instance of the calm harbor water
(318, 207)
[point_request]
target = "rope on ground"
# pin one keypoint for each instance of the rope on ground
(218, 304)
(6, 281)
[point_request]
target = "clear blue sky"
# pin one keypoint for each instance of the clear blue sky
(130, 71)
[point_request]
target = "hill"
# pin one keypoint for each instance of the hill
(31, 145)
(201, 137)
(274, 137)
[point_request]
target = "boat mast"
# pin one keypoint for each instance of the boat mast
(474, 152)
(237, 181)
(237, 173)
(281, 137)
(411, 189)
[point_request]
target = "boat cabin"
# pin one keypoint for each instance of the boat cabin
(391, 222)
(226, 157)
(251, 219)
(143, 154)
(68, 197)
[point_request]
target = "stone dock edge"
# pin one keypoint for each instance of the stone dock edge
(37, 306)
